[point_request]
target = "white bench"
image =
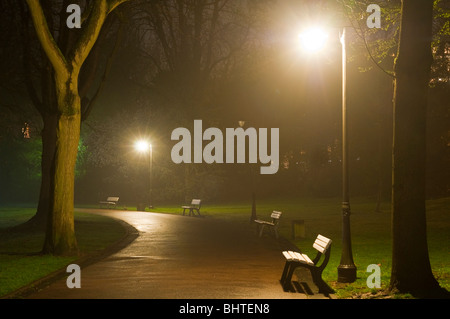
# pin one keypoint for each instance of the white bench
(193, 207)
(110, 202)
(297, 259)
(261, 224)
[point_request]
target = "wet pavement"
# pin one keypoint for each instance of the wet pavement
(180, 257)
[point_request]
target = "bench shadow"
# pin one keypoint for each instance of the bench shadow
(301, 287)
(305, 284)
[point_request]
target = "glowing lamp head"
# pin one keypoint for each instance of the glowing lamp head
(142, 146)
(313, 39)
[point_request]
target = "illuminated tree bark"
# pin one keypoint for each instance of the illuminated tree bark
(411, 270)
(60, 234)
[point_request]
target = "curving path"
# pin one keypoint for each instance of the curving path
(180, 257)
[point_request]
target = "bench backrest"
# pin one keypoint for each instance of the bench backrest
(112, 199)
(322, 244)
(196, 202)
(275, 216)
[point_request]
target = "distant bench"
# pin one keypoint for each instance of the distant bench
(261, 224)
(297, 259)
(110, 202)
(193, 207)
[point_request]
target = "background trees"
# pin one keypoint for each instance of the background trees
(257, 76)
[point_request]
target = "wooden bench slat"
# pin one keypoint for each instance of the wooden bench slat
(306, 259)
(300, 258)
(303, 258)
(275, 214)
(324, 239)
(319, 248)
(264, 222)
(287, 255)
(321, 243)
(292, 255)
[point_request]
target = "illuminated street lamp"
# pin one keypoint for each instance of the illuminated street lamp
(312, 41)
(143, 147)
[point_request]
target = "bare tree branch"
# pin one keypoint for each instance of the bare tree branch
(49, 45)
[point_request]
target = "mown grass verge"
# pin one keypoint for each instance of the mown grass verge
(21, 262)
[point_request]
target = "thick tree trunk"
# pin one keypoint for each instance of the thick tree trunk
(60, 235)
(411, 270)
(48, 152)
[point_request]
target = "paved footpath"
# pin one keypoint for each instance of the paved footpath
(181, 257)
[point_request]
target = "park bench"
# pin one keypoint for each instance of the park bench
(193, 207)
(110, 202)
(297, 259)
(261, 224)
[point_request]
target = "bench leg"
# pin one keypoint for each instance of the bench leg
(275, 230)
(320, 283)
(285, 272)
(261, 229)
(290, 271)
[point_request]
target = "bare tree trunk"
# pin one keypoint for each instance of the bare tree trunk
(411, 270)
(60, 235)
(48, 150)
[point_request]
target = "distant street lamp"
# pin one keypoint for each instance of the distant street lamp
(253, 215)
(143, 147)
(313, 40)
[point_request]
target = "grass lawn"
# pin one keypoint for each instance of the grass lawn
(20, 261)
